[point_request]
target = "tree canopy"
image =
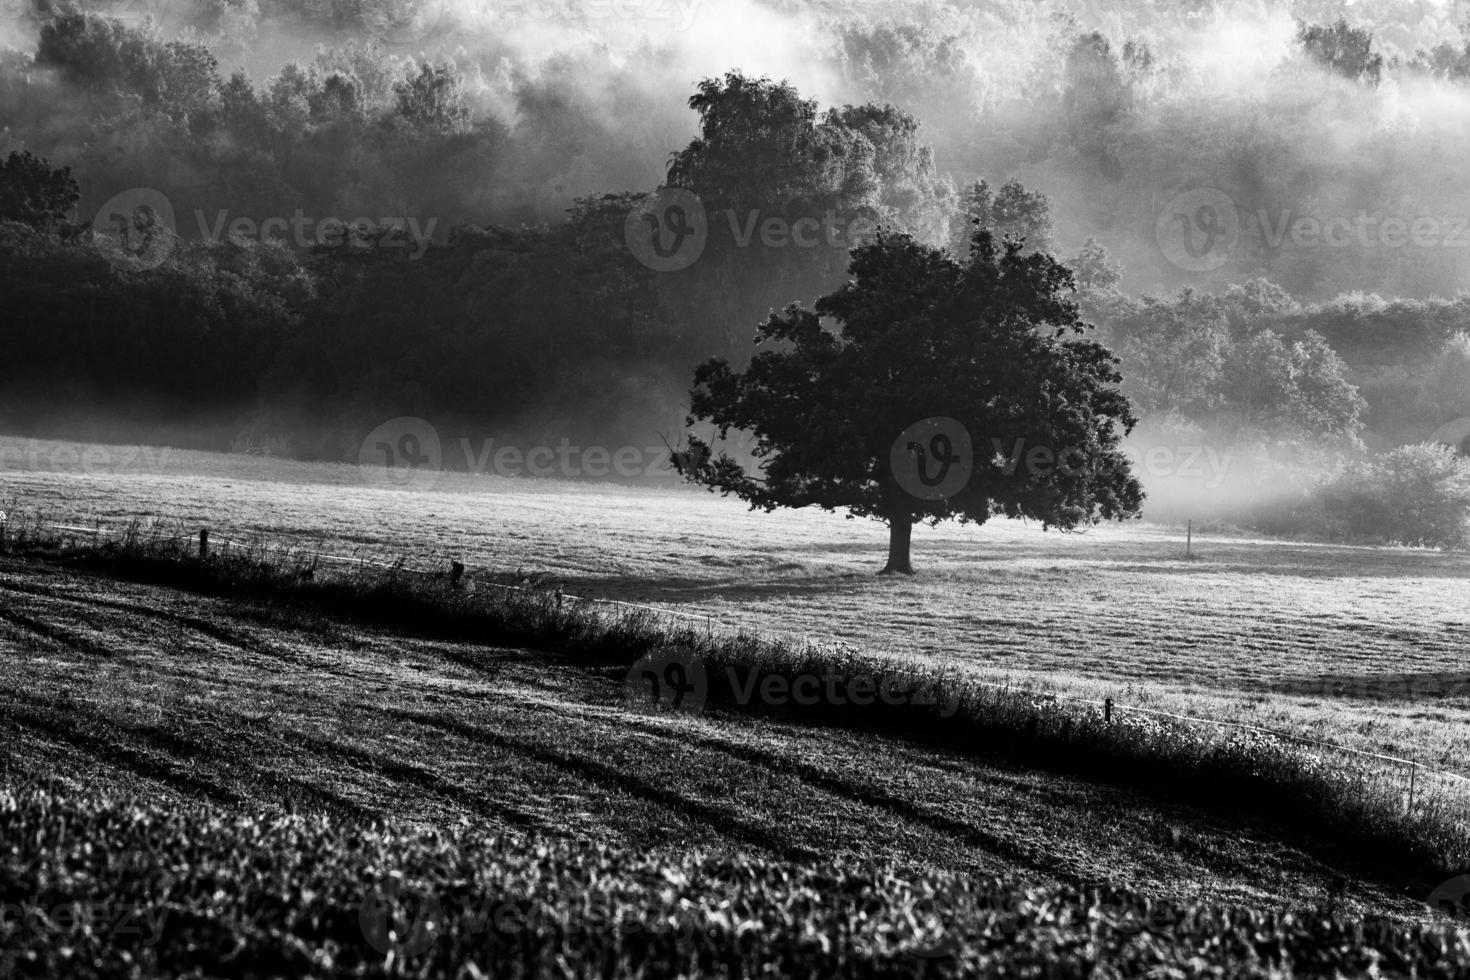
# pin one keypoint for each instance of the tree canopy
(930, 354)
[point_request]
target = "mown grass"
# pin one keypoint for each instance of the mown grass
(1362, 646)
(95, 886)
(1344, 810)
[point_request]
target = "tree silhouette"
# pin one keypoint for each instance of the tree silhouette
(950, 390)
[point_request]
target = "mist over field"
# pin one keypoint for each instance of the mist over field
(420, 210)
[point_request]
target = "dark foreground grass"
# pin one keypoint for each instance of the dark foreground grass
(1345, 812)
(92, 886)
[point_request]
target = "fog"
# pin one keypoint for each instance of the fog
(573, 99)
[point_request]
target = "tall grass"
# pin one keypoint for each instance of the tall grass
(201, 892)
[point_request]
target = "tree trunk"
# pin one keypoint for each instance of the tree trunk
(900, 535)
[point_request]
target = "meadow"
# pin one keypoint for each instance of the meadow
(1363, 646)
(442, 755)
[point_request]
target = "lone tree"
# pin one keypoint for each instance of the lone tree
(950, 389)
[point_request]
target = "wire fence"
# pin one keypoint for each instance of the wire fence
(1412, 769)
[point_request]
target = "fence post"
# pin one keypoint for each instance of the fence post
(1108, 710)
(1189, 539)
(1413, 771)
(204, 543)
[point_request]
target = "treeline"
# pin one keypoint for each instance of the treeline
(562, 325)
(536, 330)
(544, 332)
(1291, 111)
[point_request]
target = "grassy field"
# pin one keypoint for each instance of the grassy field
(1361, 645)
(250, 725)
(245, 787)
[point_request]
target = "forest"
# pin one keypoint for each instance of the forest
(498, 151)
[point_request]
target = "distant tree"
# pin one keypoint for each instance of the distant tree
(1292, 388)
(369, 64)
(1011, 212)
(992, 343)
(110, 58)
(1345, 50)
(1444, 60)
(766, 154)
(1175, 352)
(1097, 97)
(34, 193)
(1257, 300)
(926, 72)
(433, 99)
(1446, 392)
(1093, 269)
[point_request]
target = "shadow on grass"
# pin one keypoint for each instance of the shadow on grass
(1258, 782)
